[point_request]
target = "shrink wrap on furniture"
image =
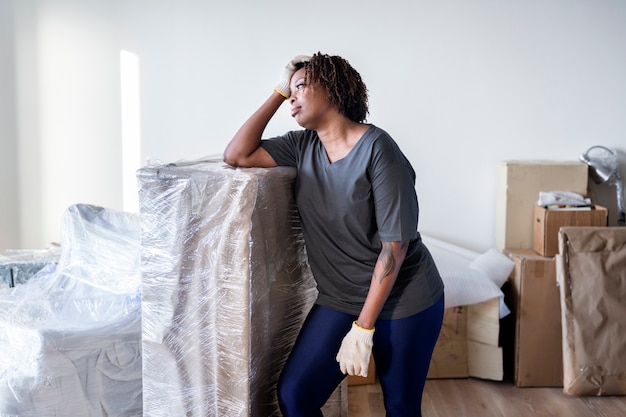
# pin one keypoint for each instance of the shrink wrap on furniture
(71, 335)
(225, 286)
(19, 265)
(591, 272)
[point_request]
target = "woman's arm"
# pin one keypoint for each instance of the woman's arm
(356, 346)
(244, 149)
(385, 273)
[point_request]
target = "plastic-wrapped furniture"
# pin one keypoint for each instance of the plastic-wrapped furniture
(19, 265)
(71, 335)
(225, 287)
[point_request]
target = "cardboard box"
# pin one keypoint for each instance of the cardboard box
(468, 343)
(536, 309)
(484, 355)
(449, 358)
(519, 184)
(548, 222)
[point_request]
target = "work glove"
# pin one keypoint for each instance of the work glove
(285, 78)
(355, 351)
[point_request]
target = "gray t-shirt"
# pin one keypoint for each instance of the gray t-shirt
(347, 208)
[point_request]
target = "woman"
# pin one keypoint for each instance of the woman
(379, 290)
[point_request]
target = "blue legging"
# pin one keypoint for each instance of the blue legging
(402, 352)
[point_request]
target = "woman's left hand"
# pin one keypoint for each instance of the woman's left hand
(355, 351)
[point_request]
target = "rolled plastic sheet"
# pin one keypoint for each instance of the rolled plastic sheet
(470, 277)
(71, 334)
(225, 285)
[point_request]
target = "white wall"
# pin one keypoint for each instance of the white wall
(9, 230)
(460, 85)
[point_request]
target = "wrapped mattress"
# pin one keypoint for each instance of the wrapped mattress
(225, 287)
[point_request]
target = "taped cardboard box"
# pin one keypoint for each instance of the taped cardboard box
(548, 222)
(519, 184)
(533, 298)
(591, 271)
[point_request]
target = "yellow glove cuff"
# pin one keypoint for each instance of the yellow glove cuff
(362, 328)
(281, 93)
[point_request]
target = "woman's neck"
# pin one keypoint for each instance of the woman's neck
(339, 139)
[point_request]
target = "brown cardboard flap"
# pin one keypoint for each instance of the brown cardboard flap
(591, 270)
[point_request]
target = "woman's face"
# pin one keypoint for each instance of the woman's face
(309, 102)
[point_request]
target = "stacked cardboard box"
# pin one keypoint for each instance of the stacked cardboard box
(467, 346)
(519, 184)
(532, 294)
(468, 343)
(534, 303)
(547, 224)
(450, 355)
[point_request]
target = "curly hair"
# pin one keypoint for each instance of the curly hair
(345, 88)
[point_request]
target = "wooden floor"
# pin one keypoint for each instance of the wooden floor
(481, 398)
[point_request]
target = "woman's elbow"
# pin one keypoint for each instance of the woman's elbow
(233, 158)
(229, 159)
(257, 159)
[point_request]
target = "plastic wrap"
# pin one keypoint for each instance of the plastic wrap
(470, 277)
(226, 287)
(18, 265)
(71, 335)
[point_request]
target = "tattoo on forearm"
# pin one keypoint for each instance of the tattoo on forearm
(388, 261)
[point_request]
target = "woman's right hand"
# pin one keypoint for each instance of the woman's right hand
(244, 148)
(285, 78)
